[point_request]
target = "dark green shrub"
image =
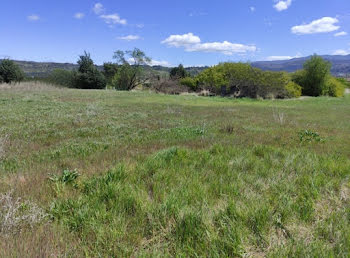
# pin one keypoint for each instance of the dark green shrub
(62, 77)
(178, 72)
(122, 80)
(109, 71)
(294, 90)
(316, 80)
(10, 72)
(333, 88)
(317, 71)
(91, 79)
(298, 77)
(87, 76)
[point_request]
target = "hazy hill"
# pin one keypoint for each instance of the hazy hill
(340, 66)
(43, 69)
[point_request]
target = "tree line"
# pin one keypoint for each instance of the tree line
(226, 79)
(243, 80)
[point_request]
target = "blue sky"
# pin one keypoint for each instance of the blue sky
(172, 32)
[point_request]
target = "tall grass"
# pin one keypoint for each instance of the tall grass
(216, 202)
(144, 174)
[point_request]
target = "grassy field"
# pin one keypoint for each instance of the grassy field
(114, 174)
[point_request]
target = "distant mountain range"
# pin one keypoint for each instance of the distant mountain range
(340, 66)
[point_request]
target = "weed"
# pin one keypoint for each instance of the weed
(16, 214)
(67, 177)
(229, 129)
(279, 116)
(309, 136)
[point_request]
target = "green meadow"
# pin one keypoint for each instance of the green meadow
(103, 173)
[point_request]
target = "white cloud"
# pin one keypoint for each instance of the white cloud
(342, 33)
(226, 48)
(129, 37)
(152, 63)
(341, 52)
(192, 43)
(160, 63)
(182, 40)
(197, 14)
(323, 25)
(195, 65)
(110, 19)
(278, 58)
(282, 5)
(98, 8)
(113, 19)
(252, 9)
(79, 16)
(33, 17)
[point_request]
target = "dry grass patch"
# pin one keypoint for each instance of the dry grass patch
(27, 86)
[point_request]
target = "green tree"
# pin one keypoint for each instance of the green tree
(128, 75)
(109, 71)
(87, 76)
(10, 72)
(190, 82)
(243, 80)
(317, 71)
(178, 72)
(299, 76)
(85, 62)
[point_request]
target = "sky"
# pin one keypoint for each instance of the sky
(190, 32)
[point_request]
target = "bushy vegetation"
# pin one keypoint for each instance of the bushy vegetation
(316, 79)
(333, 87)
(178, 72)
(344, 81)
(62, 77)
(109, 70)
(294, 90)
(316, 72)
(129, 76)
(10, 72)
(191, 83)
(243, 80)
(225, 79)
(87, 76)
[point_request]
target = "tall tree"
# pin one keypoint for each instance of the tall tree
(178, 72)
(109, 71)
(316, 73)
(10, 72)
(130, 70)
(87, 76)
